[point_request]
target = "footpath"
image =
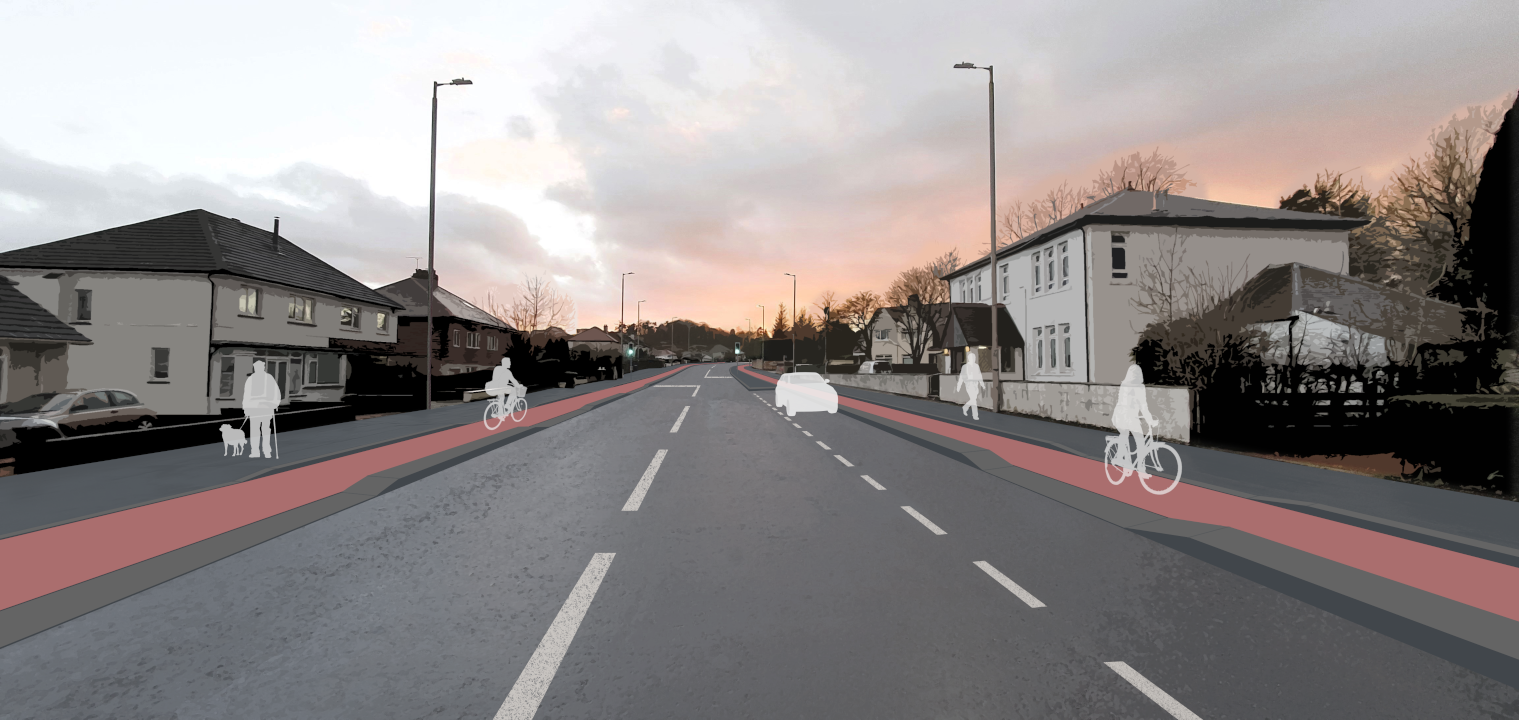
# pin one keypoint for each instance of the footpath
(76, 539)
(1435, 569)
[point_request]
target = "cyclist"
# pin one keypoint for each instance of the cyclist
(503, 386)
(1131, 406)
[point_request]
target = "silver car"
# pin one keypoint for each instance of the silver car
(77, 412)
(805, 392)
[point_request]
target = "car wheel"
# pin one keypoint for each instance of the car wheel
(144, 425)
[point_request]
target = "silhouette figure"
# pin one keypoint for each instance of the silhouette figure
(1131, 406)
(970, 380)
(261, 395)
(503, 383)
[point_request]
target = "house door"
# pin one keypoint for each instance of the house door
(280, 369)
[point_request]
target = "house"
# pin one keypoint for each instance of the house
(540, 338)
(34, 346)
(465, 338)
(596, 341)
(1077, 281)
(179, 307)
(963, 326)
(1328, 317)
(892, 330)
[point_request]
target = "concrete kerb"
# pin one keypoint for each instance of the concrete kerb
(1474, 638)
(38, 614)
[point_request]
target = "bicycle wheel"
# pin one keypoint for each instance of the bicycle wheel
(1110, 464)
(519, 410)
(1162, 461)
(493, 417)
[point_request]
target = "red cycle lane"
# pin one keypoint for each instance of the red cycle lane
(1480, 583)
(45, 561)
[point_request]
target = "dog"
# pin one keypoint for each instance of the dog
(233, 438)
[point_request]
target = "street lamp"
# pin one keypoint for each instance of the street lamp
(793, 323)
(991, 261)
(638, 328)
(622, 317)
(432, 202)
(672, 335)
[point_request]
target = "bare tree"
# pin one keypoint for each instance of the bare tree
(541, 305)
(1138, 172)
(857, 312)
(826, 300)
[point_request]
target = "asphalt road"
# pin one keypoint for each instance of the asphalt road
(759, 576)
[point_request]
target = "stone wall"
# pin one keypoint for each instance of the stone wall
(1083, 403)
(914, 385)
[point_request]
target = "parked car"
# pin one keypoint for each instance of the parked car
(706, 358)
(874, 367)
(805, 392)
(77, 412)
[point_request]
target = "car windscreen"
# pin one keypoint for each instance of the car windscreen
(807, 378)
(41, 402)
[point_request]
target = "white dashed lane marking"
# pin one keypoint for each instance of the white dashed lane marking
(872, 482)
(825, 447)
(1152, 691)
(522, 702)
(926, 522)
(681, 419)
(842, 460)
(636, 499)
(1007, 582)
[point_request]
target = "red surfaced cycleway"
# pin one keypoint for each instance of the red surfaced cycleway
(1473, 581)
(45, 561)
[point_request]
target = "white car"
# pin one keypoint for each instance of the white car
(874, 367)
(805, 392)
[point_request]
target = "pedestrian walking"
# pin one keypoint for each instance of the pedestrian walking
(261, 395)
(971, 380)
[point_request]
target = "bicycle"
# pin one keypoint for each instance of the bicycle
(496, 412)
(1150, 455)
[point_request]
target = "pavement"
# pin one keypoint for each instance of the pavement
(647, 552)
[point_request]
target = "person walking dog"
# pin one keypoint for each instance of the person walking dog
(970, 379)
(261, 395)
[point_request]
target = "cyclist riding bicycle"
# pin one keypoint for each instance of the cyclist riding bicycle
(1131, 406)
(503, 386)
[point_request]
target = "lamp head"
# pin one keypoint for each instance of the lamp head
(965, 66)
(460, 81)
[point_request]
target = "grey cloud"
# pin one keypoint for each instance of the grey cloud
(336, 217)
(519, 127)
(678, 68)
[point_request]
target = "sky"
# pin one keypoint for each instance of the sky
(707, 147)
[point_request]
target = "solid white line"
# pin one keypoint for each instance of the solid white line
(680, 419)
(1166, 702)
(825, 447)
(924, 520)
(522, 702)
(636, 498)
(1007, 582)
(808, 434)
(697, 390)
(872, 482)
(841, 458)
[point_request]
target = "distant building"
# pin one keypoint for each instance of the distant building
(34, 346)
(465, 338)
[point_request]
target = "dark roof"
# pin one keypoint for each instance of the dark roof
(21, 318)
(592, 335)
(971, 324)
(1279, 292)
(411, 292)
(195, 241)
(1136, 207)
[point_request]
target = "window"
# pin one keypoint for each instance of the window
(82, 306)
(456, 337)
(295, 383)
(883, 334)
(92, 401)
(883, 358)
(490, 342)
(382, 321)
(247, 302)
(323, 369)
(300, 309)
(350, 317)
(1039, 346)
(1065, 264)
(978, 287)
(160, 368)
(122, 399)
(229, 366)
(1037, 285)
(1004, 279)
(472, 340)
(1065, 345)
(1049, 332)
(1120, 262)
(1049, 269)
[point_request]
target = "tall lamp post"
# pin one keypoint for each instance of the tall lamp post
(432, 202)
(991, 261)
(638, 328)
(622, 318)
(793, 323)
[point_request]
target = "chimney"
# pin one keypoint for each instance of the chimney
(422, 276)
(276, 234)
(1165, 195)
